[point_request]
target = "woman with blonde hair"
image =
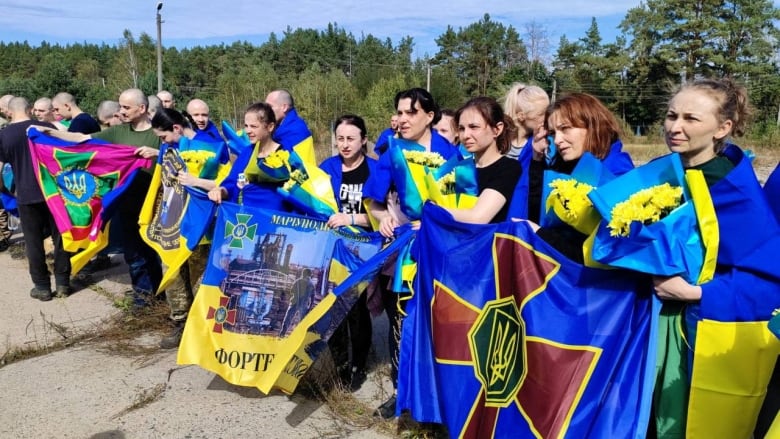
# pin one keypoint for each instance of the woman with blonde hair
(526, 106)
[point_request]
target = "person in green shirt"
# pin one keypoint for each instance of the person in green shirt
(136, 131)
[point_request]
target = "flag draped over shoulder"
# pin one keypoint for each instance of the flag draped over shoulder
(166, 223)
(526, 344)
(266, 305)
(734, 351)
(79, 183)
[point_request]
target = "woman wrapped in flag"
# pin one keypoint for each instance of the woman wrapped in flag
(486, 133)
(724, 352)
(349, 171)
(204, 164)
(578, 123)
(258, 171)
(417, 113)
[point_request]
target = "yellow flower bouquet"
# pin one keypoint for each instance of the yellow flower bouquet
(409, 164)
(646, 206)
(454, 184)
(659, 220)
(309, 189)
(566, 196)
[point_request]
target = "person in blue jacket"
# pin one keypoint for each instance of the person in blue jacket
(349, 171)
(245, 184)
(290, 127)
(577, 123)
(417, 113)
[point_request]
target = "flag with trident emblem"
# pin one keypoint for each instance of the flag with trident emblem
(525, 345)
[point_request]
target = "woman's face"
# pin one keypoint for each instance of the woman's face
(413, 122)
(446, 128)
(169, 137)
(349, 141)
(569, 140)
(691, 127)
(475, 132)
(256, 129)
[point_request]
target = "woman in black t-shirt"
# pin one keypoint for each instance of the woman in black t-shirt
(348, 172)
(487, 132)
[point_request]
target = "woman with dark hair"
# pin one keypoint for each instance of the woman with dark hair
(487, 133)
(349, 170)
(171, 127)
(244, 184)
(447, 127)
(578, 123)
(417, 113)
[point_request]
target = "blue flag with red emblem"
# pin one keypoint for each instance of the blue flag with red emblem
(525, 345)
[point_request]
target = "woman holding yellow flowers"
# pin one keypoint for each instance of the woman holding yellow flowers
(486, 132)
(246, 183)
(171, 127)
(726, 354)
(349, 171)
(417, 113)
(578, 123)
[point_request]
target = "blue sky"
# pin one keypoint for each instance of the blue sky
(200, 22)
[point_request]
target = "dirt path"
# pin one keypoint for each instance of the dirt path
(91, 389)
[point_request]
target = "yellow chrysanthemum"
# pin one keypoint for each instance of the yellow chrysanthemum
(646, 206)
(297, 176)
(277, 159)
(447, 183)
(429, 159)
(573, 196)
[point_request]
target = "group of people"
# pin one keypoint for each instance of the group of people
(512, 146)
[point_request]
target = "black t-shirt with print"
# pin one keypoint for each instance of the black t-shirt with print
(351, 190)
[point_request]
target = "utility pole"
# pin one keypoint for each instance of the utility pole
(159, 48)
(428, 83)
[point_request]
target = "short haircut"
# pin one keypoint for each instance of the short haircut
(107, 109)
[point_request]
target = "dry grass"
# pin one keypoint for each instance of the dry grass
(125, 334)
(143, 398)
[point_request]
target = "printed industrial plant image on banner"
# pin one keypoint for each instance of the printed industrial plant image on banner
(266, 305)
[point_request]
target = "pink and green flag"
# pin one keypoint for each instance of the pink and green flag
(80, 182)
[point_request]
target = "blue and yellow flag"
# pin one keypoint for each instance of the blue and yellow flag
(734, 350)
(524, 344)
(266, 305)
(164, 221)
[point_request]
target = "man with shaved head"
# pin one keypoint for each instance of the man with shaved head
(36, 219)
(204, 129)
(136, 130)
(166, 98)
(65, 106)
(4, 100)
(108, 114)
(290, 128)
(43, 111)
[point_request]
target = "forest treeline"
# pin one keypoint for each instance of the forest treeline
(332, 71)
